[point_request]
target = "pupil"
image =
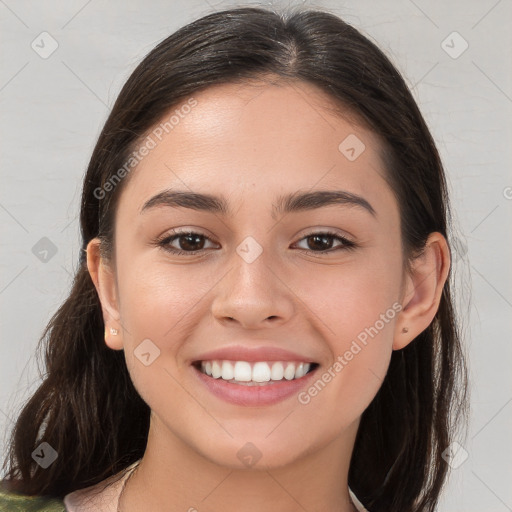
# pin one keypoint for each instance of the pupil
(321, 237)
(194, 239)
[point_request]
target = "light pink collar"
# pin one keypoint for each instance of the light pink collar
(98, 496)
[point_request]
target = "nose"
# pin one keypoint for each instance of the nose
(254, 295)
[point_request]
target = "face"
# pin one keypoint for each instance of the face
(257, 276)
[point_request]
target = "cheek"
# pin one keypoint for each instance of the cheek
(162, 304)
(348, 298)
(157, 311)
(158, 299)
(356, 310)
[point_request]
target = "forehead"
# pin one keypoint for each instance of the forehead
(260, 138)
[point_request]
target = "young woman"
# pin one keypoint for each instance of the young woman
(261, 318)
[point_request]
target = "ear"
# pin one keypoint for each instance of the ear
(422, 290)
(103, 278)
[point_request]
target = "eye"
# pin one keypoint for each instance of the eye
(322, 240)
(191, 243)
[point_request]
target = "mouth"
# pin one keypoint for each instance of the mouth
(258, 373)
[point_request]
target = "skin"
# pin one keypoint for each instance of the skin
(252, 143)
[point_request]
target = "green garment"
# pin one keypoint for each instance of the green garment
(14, 502)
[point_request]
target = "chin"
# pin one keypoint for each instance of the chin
(258, 454)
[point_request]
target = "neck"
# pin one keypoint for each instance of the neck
(173, 477)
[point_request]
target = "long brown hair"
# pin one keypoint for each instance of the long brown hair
(87, 408)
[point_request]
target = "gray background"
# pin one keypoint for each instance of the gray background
(53, 110)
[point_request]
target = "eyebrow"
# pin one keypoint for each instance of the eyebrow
(296, 202)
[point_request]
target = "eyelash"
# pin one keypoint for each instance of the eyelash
(166, 240)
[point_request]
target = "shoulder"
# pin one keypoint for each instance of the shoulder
(15, 502)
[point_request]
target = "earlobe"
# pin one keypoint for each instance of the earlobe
(112, 339)
(104, 281)
(423, 290)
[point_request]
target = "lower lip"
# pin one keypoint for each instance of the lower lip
(269, 394)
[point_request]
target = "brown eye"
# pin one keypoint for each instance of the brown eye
(322, 242)
(187, 243)
(190, 243)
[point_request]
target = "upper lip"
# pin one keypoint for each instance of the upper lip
(254, 354)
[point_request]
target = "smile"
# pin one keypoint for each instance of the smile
(254, 373)
(256, 384)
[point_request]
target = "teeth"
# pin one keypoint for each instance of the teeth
(299, 371)
(277, 372)
(260, 372)
(242, 371)
(216, 370)
(289, 371)
(228, 371)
